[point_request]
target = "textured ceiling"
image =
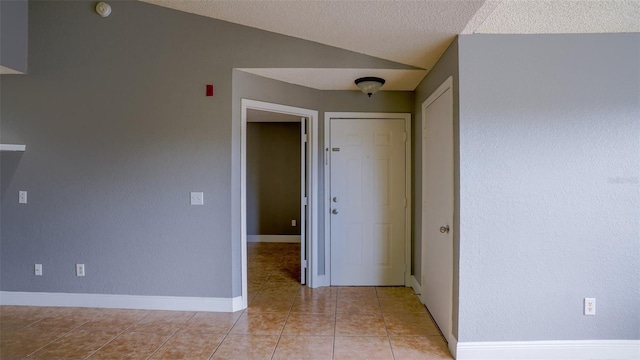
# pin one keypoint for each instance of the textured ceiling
(409, 32)
(343, 79)
(412, 32)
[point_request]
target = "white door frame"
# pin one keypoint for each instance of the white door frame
(446, 85)
(312, 185)
(327, 182)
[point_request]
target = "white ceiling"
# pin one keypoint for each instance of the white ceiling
(411, 32)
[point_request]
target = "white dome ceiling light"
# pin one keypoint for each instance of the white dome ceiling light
(370, 84)
(103, 9)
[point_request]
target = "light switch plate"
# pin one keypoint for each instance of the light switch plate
(79, 269)
(22, 197)
(197, 198)
(38, 270)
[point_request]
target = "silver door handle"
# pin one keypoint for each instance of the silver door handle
(444, 229)
(335, 199)
(334, 211)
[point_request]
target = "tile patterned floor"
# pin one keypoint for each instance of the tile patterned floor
(284, 321)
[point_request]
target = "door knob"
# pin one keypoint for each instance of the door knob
(334, 211)
(335, 199)
(444, 229)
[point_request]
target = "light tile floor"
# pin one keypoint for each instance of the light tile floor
(284, 321)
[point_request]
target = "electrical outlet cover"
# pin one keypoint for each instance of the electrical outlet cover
(589, 306)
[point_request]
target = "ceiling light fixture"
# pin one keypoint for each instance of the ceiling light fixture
(369, 85)
(103, 9)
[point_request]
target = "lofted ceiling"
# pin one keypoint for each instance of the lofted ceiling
(411, 32)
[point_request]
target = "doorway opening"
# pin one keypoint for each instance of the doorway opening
(302, 227)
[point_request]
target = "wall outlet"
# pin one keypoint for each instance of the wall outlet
(293, 223)
(197, 198)
(589, 306)
(22, 197)
(38, 270)
(79, 269)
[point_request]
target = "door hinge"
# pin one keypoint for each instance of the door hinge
(306, 138)
(304, 264)
(305, 201)
(405, 203)
(405, 137)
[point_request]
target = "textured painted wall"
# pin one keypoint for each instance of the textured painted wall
(14, 34)
(549, 194)
(445, 67)
(118, 132)
(273, 178)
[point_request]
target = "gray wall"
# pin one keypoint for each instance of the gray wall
(118, 132)
(14, 34)
(549, 169)
(445, 67)
(273, 178)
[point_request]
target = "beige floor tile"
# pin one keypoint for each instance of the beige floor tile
(260, 323)
(410, 324)
(309, 324)
(273, 303)
(281, 289)
(114, 319)
(22, 342)
(409, 304)
(362, 347)
(357, 292)
(163, 321)
(420, 347)
(69, 318)
(304, 347)
(322, 305)
(131, 345)
(358, 306)
(394, 292)
(77, 344)
(246, 347)
(287, 277)
(318, 293)
(360, 324)
(210, 322)
(21, 316)
(189, 346)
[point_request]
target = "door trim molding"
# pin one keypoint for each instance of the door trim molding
(327, 177)
(312, 185)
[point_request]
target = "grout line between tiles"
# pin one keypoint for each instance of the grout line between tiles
(227, 334)
(170, 337)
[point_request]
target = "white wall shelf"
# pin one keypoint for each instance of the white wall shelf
(12, 147)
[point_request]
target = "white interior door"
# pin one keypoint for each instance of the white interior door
(437, 206)
(367, 189)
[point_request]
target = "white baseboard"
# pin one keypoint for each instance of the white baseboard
(178, 303)
(320, 281)
(293, 239)
(550, 350)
